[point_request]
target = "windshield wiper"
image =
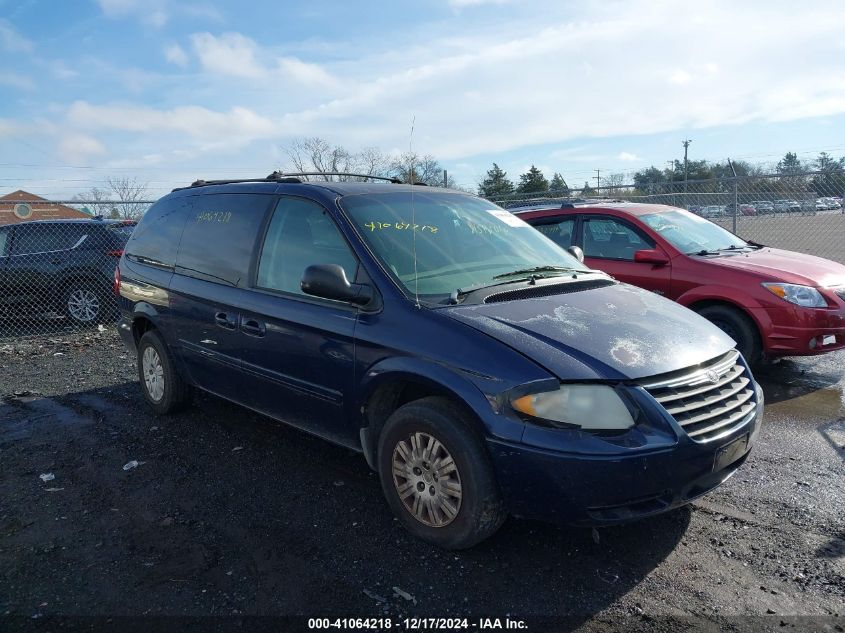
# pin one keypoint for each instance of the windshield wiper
(539, 269)
(704, 252)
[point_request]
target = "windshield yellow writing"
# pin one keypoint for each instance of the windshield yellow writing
(400, 226)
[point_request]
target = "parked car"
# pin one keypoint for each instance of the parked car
(479, 367)
(744, 209)
(827, 204)
(712, 211)
(60, 266)
(787, 206)
(772, 302)
(763, 206)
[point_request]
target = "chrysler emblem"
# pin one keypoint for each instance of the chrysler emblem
(712, 376)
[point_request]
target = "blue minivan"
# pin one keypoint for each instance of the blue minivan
(480, 368)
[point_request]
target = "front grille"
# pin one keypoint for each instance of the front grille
(709, 400)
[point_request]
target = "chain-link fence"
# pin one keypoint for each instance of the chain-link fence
(800, 212)
(57, 261)
(57, 267)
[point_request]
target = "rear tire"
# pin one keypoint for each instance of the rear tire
(163, 388)
(739, 327)
(437, 476)
(84, 304)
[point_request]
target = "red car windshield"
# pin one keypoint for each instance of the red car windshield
(692, 234)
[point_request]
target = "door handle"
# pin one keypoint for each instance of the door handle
(253, 328)
(225, 321)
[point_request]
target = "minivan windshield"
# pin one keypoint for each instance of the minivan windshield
(692, 234)
(460, 241)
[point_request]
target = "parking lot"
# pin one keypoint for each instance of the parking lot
(229, 513)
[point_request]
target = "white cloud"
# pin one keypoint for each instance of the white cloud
(75, 147)
(680, 77)
(14, 80)
(461, 4)
(11, 40)
(151, 12)
(230, 54)
(627, 156)
(237, 126)
(175, 54)
(305, 73)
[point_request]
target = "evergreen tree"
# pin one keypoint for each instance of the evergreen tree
(831, 179)
(496, 184)
(558, 185)
(533, 181)
(587, 191)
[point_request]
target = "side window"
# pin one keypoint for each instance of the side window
(300, 234)
(33, 238)
(4, 241)
(607, 238)
(559, 231)
(220, 236)
(156, 238)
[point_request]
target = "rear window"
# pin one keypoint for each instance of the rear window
(122, 230)
(155, 240)
(220, 235)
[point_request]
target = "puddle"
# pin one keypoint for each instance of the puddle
(20, 415)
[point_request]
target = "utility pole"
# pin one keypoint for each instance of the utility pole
(598, 178)
(445, 179)
(686, 143)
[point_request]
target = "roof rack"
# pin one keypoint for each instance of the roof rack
(566, 203)
(281, 177)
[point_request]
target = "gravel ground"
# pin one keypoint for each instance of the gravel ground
(229, 513)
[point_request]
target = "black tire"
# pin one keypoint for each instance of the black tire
(739, 327)
(176, 394)
(85, 303)
(480, 511)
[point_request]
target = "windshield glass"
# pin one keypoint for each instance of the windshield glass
(461, 241)
(690, 233)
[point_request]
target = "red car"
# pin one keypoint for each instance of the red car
(772, 302)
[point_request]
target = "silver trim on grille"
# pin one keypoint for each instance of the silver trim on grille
(708, 401)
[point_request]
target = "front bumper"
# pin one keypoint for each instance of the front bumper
(803, 331)
(576, 489)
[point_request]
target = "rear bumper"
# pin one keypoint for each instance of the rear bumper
(124, 328)
(594, 490)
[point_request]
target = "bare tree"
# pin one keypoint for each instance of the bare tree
(95, 200)
(612, 184)
(318, 155)
(129, 193)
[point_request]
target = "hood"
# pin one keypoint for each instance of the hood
(773, 264)
(614, 332)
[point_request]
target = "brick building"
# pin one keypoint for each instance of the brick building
(22, 206)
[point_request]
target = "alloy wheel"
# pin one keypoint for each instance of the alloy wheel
(83, 305)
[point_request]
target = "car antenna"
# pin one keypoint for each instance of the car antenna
(413, 211)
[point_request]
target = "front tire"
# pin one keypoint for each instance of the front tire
(739, 327)
(437, 476)
(163, 388)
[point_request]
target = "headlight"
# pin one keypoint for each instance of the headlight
(590, 407)
(805, 296)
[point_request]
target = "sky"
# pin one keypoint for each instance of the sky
(167, 92)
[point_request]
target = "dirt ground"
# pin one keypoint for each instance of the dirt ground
(228, 513)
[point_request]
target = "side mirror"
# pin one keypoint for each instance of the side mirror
(576, 252)
(328, 281)
(651, 256)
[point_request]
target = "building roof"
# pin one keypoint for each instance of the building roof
(22, 206)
